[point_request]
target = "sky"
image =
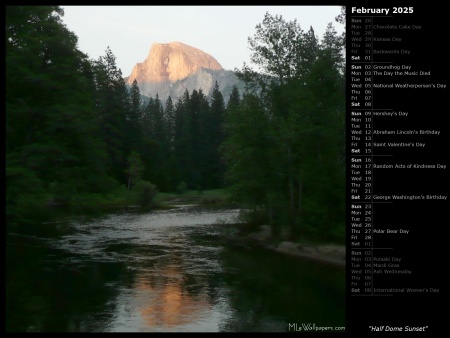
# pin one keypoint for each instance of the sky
(221, 31)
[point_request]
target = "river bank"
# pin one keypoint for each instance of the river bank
(325, 253)
(328, 253)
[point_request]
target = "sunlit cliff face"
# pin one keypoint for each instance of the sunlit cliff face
(171, 62)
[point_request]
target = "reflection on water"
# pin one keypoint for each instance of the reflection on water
(166, 304)
(161, 271)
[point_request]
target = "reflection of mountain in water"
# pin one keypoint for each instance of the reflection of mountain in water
(164, 301)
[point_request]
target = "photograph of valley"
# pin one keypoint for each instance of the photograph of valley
(175, 168)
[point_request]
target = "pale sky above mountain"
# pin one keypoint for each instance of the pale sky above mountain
(221, 31)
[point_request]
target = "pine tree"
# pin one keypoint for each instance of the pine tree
(112, 106)
(214, 136)
(195, 115)
(234, 99)
(169, 129)
(133, 116)
(247, 153)
(169, 122)
(182, 140)
(51, 135)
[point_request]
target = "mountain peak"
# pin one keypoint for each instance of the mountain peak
(169, 62)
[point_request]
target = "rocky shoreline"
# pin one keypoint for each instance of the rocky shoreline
(326, 253)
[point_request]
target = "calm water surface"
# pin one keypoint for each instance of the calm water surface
(167, 270)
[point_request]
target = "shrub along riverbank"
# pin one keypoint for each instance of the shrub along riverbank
(142, 198)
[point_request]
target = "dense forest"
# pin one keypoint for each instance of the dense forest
(74, 129)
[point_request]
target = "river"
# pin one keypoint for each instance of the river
(167, 270)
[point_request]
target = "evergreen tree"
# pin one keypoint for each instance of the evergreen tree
(160, 174)
(183, 147)
(133, 120)
(247, 153)
(112, 106)
(234, 99)
(148, 147)
(51, 136)
(147, 121)
(195, 115)
(169, 129)
(169, 122)
(214, 136)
